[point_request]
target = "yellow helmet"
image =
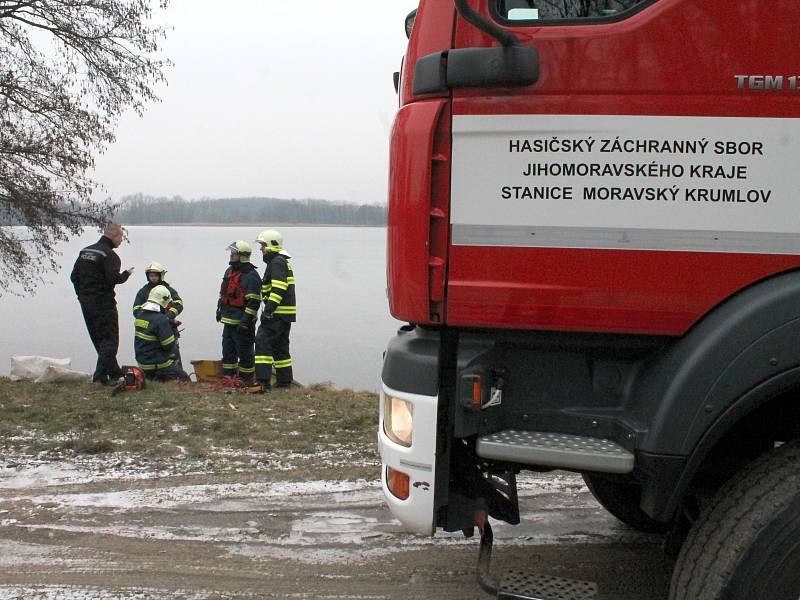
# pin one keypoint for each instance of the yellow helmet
(160, 295)
(272, 239)
(242, 248)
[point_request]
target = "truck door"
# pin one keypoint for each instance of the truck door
(650, 173)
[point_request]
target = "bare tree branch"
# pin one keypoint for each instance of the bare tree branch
(68, 70)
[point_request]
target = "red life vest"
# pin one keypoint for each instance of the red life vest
(232, 293)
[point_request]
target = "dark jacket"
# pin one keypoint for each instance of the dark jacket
(250, 283)
(277, 287)
(96, 272)
(155, 341)
(176, 307)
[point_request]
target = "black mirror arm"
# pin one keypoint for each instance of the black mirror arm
(506, 38)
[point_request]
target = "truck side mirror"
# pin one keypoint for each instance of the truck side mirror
(509, 66)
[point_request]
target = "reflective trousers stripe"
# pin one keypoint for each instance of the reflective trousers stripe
(163, 365)
(263, 360)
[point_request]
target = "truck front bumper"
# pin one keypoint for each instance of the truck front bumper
(418, 461)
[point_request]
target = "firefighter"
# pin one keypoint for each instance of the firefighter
(155, 273)
(280, 311)
(94, 276)
(239, 299)
(155, 342)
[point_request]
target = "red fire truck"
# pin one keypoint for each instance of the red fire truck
(594, 236)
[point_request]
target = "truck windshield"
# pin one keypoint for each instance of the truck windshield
(549, 10)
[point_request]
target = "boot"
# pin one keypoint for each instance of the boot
(261, 387)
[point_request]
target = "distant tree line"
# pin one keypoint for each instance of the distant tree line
(146, 210)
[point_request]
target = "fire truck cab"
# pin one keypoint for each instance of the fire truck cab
(594, 236)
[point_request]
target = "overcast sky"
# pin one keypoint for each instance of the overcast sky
(282, 99)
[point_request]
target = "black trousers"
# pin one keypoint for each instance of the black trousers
(237, 353)
(272, 348)
(174, 372)
(102, 322)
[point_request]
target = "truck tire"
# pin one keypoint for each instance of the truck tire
(621, 499)
(746, 543)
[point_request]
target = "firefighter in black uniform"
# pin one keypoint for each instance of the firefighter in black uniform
(155, 342)
(94, 276)
(280, 311)
(155, 276)
(239, 299)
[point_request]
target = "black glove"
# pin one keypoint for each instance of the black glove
(243, 328)
(219, 315)
(266, 317)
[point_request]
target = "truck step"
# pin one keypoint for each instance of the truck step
(557, 450)
(516, 585)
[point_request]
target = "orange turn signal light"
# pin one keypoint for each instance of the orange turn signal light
(477, 392)
(398, 483)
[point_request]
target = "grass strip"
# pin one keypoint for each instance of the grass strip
(168, 421)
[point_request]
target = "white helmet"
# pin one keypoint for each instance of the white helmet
(242, 248)
(155, 267)
(160, 295)
(272, 239)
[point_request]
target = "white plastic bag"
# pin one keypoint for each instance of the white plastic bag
(42, 369)
(54, 374)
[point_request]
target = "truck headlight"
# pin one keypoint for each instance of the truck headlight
(398, 420)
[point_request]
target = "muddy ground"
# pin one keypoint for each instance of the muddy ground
(101, 528)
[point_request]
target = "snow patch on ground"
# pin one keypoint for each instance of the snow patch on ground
(282, 494)
(20, 473)
(13, 553)
(60, 592)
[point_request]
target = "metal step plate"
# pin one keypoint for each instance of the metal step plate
(556, 450)
(523, 586)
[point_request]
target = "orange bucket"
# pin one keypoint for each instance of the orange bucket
(209, 371)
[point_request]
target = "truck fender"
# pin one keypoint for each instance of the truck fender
(742, 354)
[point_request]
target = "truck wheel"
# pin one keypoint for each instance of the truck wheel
(621, 499)
(746, 544)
